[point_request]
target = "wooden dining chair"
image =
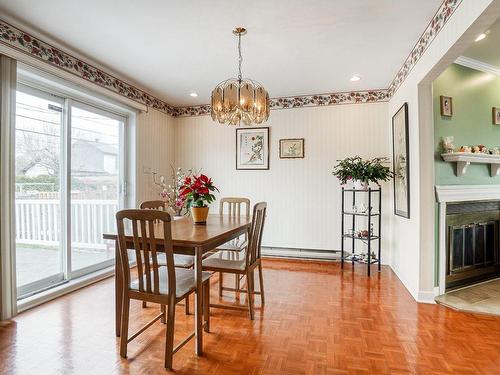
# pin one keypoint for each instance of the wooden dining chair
(180, 260)
(154, 205)
(164, 285)
(232, 206)
(250, 259)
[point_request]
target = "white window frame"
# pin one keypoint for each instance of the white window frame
(72, 274)
(39, 82)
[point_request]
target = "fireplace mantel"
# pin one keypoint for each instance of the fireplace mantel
(457, 193)
(463, 193)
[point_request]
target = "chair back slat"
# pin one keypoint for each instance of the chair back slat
(152, 248)
(147, 225)
(255, 234)
(153, 205)
(232, 206)
(138, 254)
(146, 255)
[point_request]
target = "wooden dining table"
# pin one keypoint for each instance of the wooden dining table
(188, 239)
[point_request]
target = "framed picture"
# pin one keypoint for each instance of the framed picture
(401, 162)
(252, 148)
(292, 148)
(446, 104)
(496, 116)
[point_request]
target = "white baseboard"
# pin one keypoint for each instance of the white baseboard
(312, 254)
(276, 252)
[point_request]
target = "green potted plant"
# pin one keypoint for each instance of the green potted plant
(361, 172)
(196, 192)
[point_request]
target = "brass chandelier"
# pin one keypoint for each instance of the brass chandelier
(237, 100)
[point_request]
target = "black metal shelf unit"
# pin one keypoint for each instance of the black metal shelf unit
(371, 216)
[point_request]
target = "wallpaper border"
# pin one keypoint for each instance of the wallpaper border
(20, 40)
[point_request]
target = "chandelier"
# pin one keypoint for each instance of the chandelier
(237, 100)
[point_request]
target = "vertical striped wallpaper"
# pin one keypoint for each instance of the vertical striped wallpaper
(303, 197)
(154, 151)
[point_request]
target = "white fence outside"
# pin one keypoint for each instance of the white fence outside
(38, 222)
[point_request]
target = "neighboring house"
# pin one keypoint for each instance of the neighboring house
(91, 158)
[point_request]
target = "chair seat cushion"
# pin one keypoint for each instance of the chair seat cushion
(238, 244)
(180, 260)
(232, 260)
(184, 281)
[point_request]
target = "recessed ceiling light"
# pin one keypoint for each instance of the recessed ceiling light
(193, 94)
(355, 78)
(480, 37)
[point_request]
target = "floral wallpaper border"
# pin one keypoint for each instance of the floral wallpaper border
(442, 16)
(353, 97)
(29, 44)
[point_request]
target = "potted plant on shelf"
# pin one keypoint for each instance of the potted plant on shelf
(197, 192)
(361, 172)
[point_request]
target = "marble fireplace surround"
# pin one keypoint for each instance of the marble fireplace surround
(457, 193)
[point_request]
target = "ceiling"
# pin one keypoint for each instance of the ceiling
(487, 50)
(293, 47)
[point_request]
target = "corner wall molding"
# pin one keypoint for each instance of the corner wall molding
(29, 44)
(478, 65)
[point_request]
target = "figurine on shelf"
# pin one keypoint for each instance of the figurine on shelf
(494, 151)
(466, 149)
(479, 149)
(448, 145)
(364, 233)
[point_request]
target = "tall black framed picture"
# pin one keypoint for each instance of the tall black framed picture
(401, 162)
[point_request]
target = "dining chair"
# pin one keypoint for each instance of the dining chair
(164, 285)
(246, 263)
(232, 206)
(180, 260)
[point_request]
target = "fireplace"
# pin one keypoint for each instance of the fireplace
(473, 249)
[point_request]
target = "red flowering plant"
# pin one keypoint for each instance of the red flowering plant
(197, 191)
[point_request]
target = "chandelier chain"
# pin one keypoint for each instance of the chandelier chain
(240, 58)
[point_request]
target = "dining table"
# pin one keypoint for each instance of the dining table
(188, 239)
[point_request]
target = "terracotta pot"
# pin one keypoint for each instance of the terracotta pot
(199, 215)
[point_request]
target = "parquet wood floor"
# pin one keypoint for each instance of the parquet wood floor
(317, 320)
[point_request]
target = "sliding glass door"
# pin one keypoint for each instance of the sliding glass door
(69, 185)
(38, 207)
(95, 185)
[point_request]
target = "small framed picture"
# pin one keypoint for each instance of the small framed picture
(496, 116)
(446, 106)
(292, 148)
(252, 148)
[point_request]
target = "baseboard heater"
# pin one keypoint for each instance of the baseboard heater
(280, 252)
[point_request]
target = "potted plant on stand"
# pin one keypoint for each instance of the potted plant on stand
(361, 172)
(197, 192)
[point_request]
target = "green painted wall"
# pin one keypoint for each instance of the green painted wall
(474, 93)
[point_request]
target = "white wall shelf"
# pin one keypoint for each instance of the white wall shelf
(463, 160)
